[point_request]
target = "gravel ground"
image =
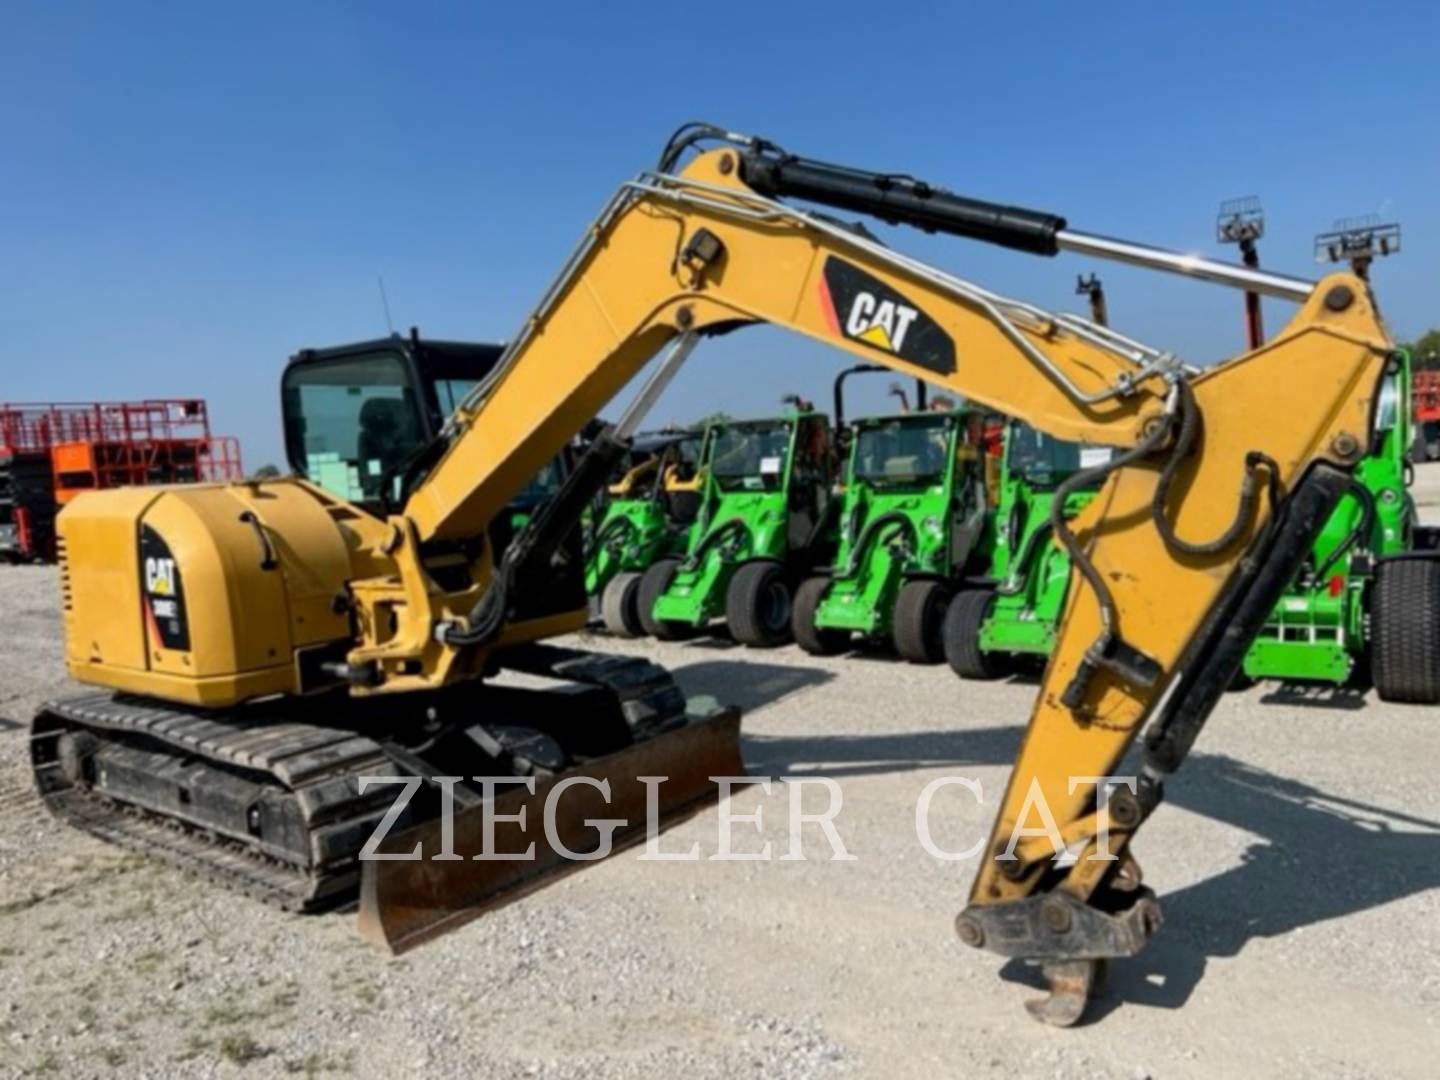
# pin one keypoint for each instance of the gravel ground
(1297, 859)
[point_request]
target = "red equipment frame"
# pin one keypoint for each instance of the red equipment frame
(1427, 396)
(108, 444)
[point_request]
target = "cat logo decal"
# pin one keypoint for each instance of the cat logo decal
(863, 308)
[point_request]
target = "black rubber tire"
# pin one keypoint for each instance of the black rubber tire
(918, 621)
(961, 634)
(1405, 631)
(653, 583)
(620, 605)
(808, 636)
(758, 605)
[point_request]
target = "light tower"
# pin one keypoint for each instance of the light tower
(1091, 286)
(1358, 241)
(1242, 221)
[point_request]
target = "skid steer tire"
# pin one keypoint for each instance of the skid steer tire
(653, 584)
(961, 635)
(918, 621)
(620, 605)
(813, 639)
(758, 605)
(1405, 631)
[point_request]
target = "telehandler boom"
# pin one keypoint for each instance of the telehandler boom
(1222, 479)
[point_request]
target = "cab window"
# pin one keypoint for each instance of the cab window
(351, 421)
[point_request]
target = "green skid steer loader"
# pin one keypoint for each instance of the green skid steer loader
(987, 629)
(766, 517)
(912, 522)
(647, 516)
(1366, 599)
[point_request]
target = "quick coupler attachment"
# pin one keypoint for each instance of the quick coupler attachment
(1069, 938)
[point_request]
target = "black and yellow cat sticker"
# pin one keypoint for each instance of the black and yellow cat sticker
(164, 598)
(865, 309)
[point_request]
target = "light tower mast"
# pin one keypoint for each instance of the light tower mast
(1242, 222)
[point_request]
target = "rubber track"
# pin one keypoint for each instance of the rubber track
(319, 766)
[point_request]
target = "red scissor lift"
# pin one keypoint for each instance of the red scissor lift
(1427, 413)
(51, 452)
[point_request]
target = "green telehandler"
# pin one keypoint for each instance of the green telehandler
(766, 517)
(912, 522)
(647, 516)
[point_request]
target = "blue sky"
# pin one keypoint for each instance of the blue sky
(188, 193)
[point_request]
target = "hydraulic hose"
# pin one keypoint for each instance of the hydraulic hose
(686, 136)
(1016, 582)
(1249, 490)
(868, 534)
(1108, 651)
(712, 538)
(1095, 477)
(537, 542)
(1366, 498)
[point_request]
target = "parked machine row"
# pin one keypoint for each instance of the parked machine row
(923, 532)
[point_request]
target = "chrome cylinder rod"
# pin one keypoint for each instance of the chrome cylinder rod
(1251, 279)
(655, 385)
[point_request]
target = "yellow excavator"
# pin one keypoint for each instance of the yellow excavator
(259, 647)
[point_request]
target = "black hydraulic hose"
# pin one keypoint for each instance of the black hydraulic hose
(1014, 584)
(711, 538)
(1366, 498)
(1249, 490)
(1188, 415)
(487, 618)
(1094, 477)
(686, 136)
(867, 535)
(536, 543)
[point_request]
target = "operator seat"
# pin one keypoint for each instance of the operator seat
(387, 437)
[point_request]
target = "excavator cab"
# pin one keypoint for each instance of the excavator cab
(356, 414)
(363, 421)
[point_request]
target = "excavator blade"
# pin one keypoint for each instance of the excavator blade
(407, 902)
